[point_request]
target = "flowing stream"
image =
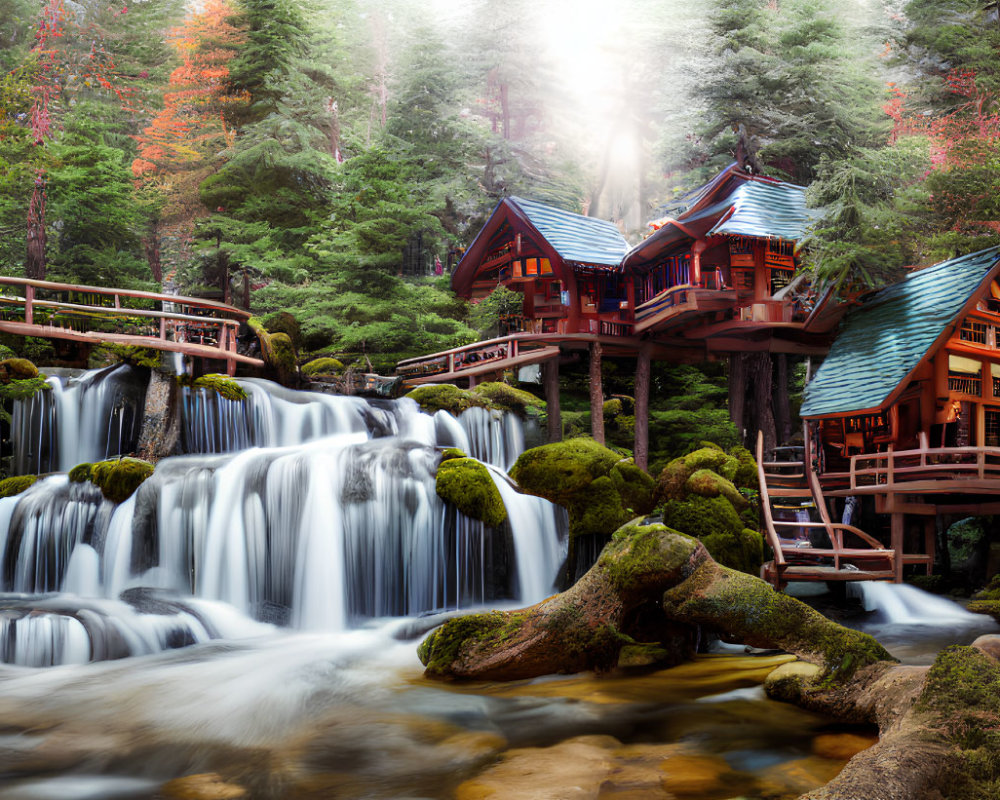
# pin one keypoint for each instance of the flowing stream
(250, 618)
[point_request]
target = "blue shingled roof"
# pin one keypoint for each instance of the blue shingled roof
(576, 238)
(766, 210)
(883, 340)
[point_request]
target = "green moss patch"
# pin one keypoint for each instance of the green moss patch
(17, 369)
(640, 558)
(445, 397)
(12, 486)
(113, 353)
(468, 485)
(446, 645)
(504, 397)
(119, 478)
(80, 473)
(323, 366)
(221, 385)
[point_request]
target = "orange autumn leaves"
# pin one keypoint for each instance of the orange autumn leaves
(190, 131)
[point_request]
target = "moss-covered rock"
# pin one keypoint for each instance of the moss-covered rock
(323, 366)
(80, 473)
(119, 478)
(286, 324)
(12, 486)
(987, 601)
(445, 397)
(706, 483)
(468, 485)
(221, 385)
(601, 490)
(453, 452)
(17, 369)
(505, 397)
(702, 516)
(278, 352)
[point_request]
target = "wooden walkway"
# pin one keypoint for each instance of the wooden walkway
(98, 315)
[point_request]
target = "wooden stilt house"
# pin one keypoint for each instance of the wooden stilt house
(906, 406)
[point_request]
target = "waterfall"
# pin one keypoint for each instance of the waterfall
(301, 510)
(85, 416)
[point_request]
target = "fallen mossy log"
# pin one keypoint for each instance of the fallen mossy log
(650, 585)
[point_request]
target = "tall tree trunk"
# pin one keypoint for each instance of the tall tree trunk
(759, 376)
(35, 261)
(596, 394)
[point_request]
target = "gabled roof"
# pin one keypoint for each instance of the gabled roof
(732, 203)
(563, 236)
(882, 341)
(585, 240)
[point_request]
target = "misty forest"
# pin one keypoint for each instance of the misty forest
(500, 399)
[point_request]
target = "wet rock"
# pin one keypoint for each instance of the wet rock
(989, 644)
(842, 746)
(792, 778)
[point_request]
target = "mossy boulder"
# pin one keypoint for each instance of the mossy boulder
(278, 352)
(468, 485)
(445, 397)
(601, 490)
(119, 478)
(504, 397)
(698, 496)
(284, 323)
(17, 369)
(113, 353)
(12, 486)
(453, 452)
(80, 473)
(323, 366)
(221, 385)
(494, 396)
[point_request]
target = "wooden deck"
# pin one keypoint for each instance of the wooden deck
(99, 315)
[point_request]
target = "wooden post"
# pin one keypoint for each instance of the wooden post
(930, 539)
(641, 447)
(29, 299)
(550, 370)
(898, 528)
(596, 394)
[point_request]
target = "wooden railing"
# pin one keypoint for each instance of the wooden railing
(901, 467)
(459, 358)
(163, 321)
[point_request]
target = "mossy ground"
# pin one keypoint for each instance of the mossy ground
(468, 485)
(119, 478)
(12, 486)
(963, 691)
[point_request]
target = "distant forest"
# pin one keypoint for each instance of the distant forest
(331, 158)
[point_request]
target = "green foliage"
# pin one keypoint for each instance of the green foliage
(12, 486)
(445, 397)
(130, 354)
(221, 385)
(489, 314)
(467, 485)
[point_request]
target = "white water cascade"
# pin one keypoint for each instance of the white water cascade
(320, 514)
(901, 604)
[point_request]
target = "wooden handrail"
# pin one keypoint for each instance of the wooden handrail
(886, 468)
(137, 293)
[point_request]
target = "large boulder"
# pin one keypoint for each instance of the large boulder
(468, 485)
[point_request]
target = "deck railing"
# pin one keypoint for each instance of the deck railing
(458, 358)
(95, 310)
(902, 467)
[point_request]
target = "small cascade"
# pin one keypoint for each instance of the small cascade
(86, 416)
(273, 416)
(902, 604)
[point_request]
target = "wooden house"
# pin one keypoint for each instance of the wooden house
(567, 267)
(906, 406)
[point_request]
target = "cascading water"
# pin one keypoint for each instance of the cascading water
(901, 604)
(85, 416)
(319, 513)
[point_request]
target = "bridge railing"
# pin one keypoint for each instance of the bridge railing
(900, 467)
(94, 309)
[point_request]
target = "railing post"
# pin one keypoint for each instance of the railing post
(163, 326)
(29, 299)
(513, 348)
(890, 467)
(981, 463)
(451, 362)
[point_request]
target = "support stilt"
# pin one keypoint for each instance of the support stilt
(596, 394)
(550, 370)
(641, 446)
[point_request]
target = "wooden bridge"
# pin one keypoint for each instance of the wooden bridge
(96, 315)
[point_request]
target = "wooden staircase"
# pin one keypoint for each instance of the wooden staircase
(814, 549)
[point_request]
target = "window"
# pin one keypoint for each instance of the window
(965, 375)
(973, 331)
